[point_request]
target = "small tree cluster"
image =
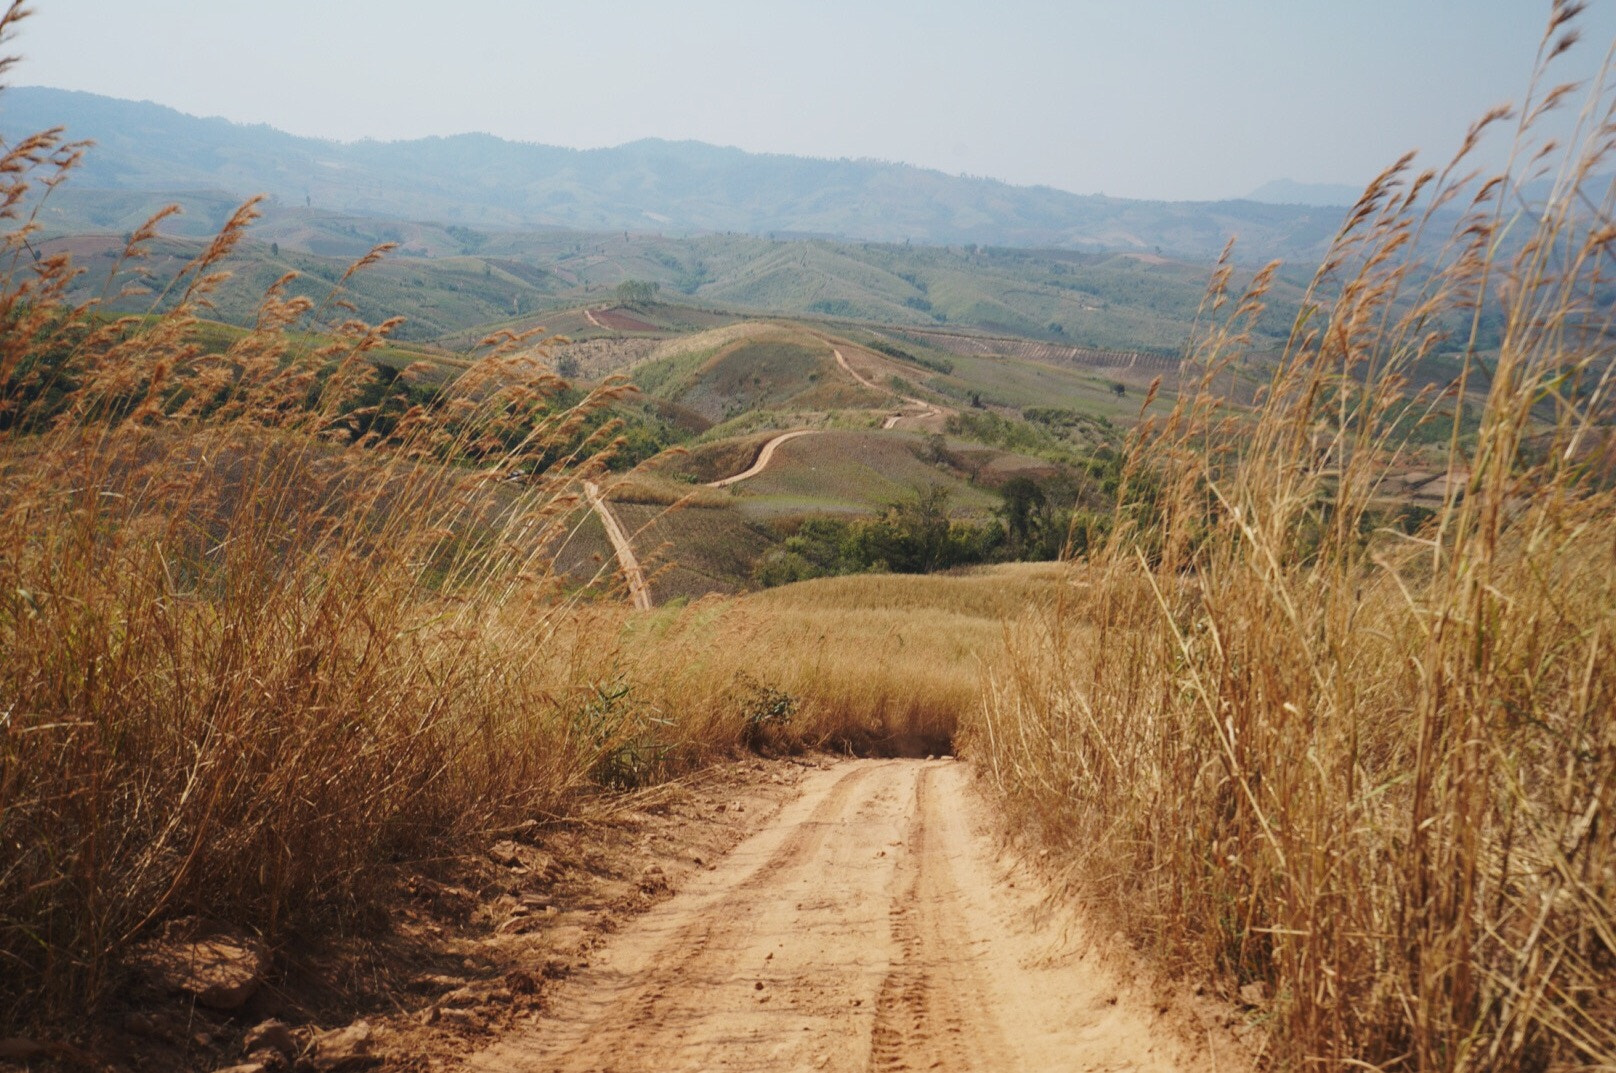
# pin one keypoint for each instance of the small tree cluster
(637, 292)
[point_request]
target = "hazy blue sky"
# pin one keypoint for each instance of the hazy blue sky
(1140, 98)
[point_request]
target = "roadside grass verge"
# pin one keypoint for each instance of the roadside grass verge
(881, 664)
(261, 644)
(1373, 773)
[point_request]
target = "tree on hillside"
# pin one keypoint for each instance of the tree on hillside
(1025, 512)
(637, 292)
(916, 536)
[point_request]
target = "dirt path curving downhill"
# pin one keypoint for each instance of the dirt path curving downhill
(871, 925)
(763, 458)
(638, 590)
(926, 410)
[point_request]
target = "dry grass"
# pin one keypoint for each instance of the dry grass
(257, 643)
(1374, 772)
(258, 646)
(889, 663)
(266, 639)
(877, 663)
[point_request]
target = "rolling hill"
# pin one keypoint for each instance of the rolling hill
(452, 282)
(481, 181)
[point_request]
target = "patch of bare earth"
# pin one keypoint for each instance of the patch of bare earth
(877, 922)
(767, 915)
(439, 963)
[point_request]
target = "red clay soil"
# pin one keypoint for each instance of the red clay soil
(618, 321)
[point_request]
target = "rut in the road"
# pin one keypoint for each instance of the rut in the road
(868, 927)
(924, 1015)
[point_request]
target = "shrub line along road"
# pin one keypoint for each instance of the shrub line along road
(871, 924)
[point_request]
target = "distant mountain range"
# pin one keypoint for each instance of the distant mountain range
(1291, 192)
(645, 186)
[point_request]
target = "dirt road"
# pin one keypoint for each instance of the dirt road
(638, 590)
(763, 458)
(923, 408)
(870, 925)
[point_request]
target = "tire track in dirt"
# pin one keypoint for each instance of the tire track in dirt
(870, 927)
(637, 1031)
(926, 1014)
(649, 1002)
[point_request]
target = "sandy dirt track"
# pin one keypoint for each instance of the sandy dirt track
(763, 458)
(922, 409)
(639, 592)
(871, 925)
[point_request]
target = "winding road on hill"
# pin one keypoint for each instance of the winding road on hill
(763, 458)
(926, 408)
(767, 454)
(872, 924)
(638, 590)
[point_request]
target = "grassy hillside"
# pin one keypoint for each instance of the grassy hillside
(453, 281)
(851, 473)
(694, 550)
(726, 374)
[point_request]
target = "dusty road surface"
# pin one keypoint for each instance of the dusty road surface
(638, 591)
(871, 925)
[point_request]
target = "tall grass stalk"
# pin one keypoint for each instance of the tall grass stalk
(260, 635)
(1369, 766)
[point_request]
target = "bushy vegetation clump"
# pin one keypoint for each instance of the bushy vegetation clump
(914, 536)
(918, 535)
